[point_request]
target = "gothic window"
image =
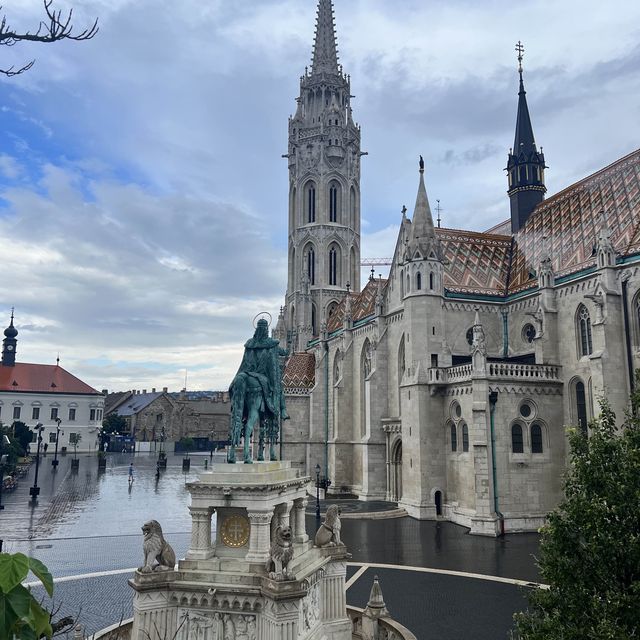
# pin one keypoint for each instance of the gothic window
(470, 336)
(352, 207)
(431, 281)
(585, 344)
(408, 284)
(314, 324)
(418, 281)
(311, 265)
(454, 438)
(310, 202)
(337, 367)
(465, 437)
(517, 442)
(366, 360)
(581, 406)
(334, 200)
(334, 264)
(292, 208)
(536, 438)
(528, 333)
(401, 284)
(331, 309)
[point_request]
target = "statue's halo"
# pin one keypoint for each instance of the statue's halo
(264, 315)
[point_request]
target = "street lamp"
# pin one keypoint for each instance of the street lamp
(55, 461)
(35, 490)
(211, 452)
(318, 494)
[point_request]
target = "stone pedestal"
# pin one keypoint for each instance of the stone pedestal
(222, 589)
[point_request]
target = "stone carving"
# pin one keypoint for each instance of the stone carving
(311, 608)
(328, 535)
(156, 549)
(206, 625)
(280, 555)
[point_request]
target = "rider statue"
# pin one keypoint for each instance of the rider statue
(257, 396)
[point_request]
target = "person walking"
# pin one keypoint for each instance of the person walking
(131, 473)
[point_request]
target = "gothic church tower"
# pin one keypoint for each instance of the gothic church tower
(324, 192)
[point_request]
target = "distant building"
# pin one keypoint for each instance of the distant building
(203, 416)
(45, 393)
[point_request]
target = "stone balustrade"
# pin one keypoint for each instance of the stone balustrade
(497, 371)
(387, 628)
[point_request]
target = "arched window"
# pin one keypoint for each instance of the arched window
(292, 208)
(431, 281)
(352, 207)
(401, 369)
(331, 309)
(310, 202)
(408, 284)
(454, 438)
(402, 284)
(636, 316)
(536, 438)
(311, 265)
(418, 281)
(465, 437)
(581, 407)
(334, 201)
(469, 336)
(585, 344)
(314, 324)
(517, 443)
(337, 367)
(334, 264)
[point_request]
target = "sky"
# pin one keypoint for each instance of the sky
(143, 196)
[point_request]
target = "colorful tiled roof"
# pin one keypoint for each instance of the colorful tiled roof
(41, 378)
(300, 371)
(362, 305)
(475, 262)
(572, 219)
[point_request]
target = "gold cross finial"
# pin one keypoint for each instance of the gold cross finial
(520, 50)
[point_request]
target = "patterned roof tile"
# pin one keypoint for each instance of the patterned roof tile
(300, 371)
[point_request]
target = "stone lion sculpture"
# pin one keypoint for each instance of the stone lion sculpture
(156, 549)
(328, 535)
(280, 555)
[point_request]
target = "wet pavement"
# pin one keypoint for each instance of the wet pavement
(89, 522)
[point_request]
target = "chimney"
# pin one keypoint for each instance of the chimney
(144, 391)
(153, 389)
(105, 392)
(165, 389)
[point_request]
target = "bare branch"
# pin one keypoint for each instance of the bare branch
(54, 28)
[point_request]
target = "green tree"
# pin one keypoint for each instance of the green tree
(113, 423)
(22, 434)
(186, 442)
(590, 547)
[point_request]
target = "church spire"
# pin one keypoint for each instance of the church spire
(9, 344)
(525, 164)
(325, 52)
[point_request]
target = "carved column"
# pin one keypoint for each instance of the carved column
(298, 524)
(200, 548)
(260, 535)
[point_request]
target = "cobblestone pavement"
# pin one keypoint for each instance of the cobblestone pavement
(87, 523)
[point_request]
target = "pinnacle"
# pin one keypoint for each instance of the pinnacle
(325, 53)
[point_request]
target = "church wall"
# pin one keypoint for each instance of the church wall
(518, 317)
(459, 317)
(296, 431)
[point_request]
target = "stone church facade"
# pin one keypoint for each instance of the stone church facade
(448, 386)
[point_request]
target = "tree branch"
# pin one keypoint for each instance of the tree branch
(56, 27)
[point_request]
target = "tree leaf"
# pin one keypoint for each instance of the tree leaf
(42, 573)
(8, 618)
(19, 599)
(14, 568)
(40, 620)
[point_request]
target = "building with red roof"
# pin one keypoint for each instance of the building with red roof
(46, 394)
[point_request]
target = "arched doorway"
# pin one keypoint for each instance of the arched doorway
(396, 472)
(438, 501)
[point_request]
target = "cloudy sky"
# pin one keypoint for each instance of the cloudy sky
(142, 189)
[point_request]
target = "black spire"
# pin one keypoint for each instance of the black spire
(525, 164)
(9, 344)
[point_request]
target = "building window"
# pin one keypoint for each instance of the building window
(72, 415)
(52, 437)
(418, 281)
(431, 281)
(35, 413)
(16, 413)
(584, 332)
(333, 266)
(334, 201)
(310, 202)
(465, 437)
(311, 265)
(54, 413)
(581, 407)
(528, 333)
(470, 336)
(536, 438)
(454, 438)
(92, 414)
(99, 414)
(517, 443)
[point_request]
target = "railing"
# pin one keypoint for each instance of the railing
(496, 370)
(387, 628)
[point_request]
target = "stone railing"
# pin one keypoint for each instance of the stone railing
(120, 631)
(392, 630)
(497, 370)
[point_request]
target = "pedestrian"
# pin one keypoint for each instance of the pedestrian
(158, 470)
(45, 447)
(131, 473)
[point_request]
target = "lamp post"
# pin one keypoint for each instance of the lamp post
(35, 490)
(318, 494)
(211, 452)
(54, 462)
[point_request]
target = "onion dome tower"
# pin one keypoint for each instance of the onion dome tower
(9, 344)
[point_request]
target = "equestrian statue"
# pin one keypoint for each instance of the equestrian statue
(257, 396)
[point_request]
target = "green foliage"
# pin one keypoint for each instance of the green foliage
(21, 615)
(113, 423)
(590, 548)
(186, 443)
(22, 434)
